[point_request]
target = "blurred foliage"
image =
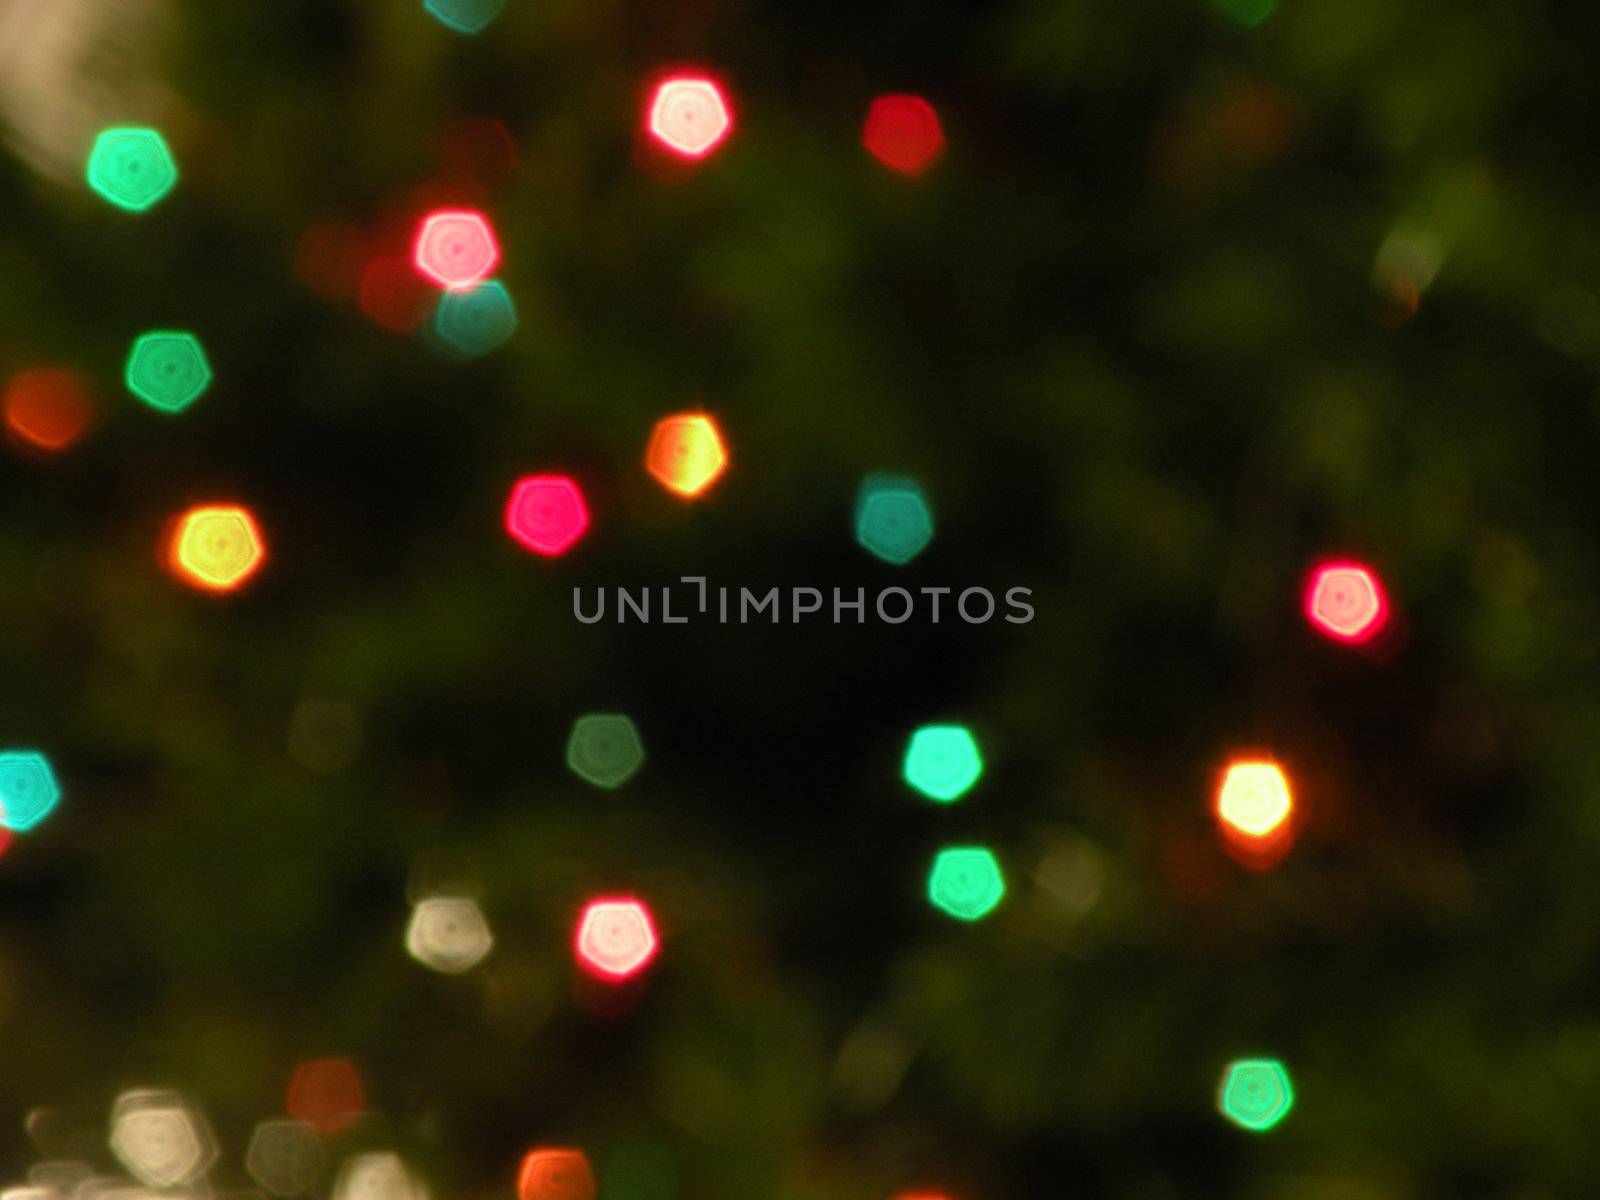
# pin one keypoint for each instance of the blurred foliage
(1197, 294)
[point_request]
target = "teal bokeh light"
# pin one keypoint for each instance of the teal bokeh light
(28, 789)
(476, 321)
(605, 749)
(1255, 1093)
(131, 168)
(465, 16)
(966, 882)
(167, 369)
(893, 519)
(942, 762)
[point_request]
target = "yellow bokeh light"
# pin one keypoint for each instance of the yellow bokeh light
(686, 453)
(217, 547)
(1254, 798)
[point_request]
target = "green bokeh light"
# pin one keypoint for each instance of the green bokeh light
(131, 168)
(1255, 1093)
(474, 322)
(465, 16)
(893, 519)
(942, 762)
(605, 749)
(28, 789)
(966, 882)
(167, 369)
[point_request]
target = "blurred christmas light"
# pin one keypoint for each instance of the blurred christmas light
(393, 296)
(966, 882)
(903, 133)
(325, 1093)
(546, 513)
(1254, 798)
(1344, 601)
(456, 249)
(556, 1175)
(448, 934)
(942, 762)
(217, 547)
(47, 409)
(168, 370)
(465, 16)
(131, 168)
(893, 519)
(1255, 1093)
(686, 453)
(28, 789)
(477, 320)
(689, 115)
(284, 1157)
(616, 938)
(378, 1175)
(160, 1140)
(605, 749)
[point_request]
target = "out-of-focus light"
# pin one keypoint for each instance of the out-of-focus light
(159, 1139)
(448, 934)
(1345, 601)
(131, 168)
(28, 789)
(475, 321)
(903, 133)
(893, 519)
(378, 1175)
(1254, 799)
(465, 16)
(689, 115)
(456, 249)
(605, 749)
(686, 453)
(325, 1093)
(1249, 13)
(1255, 1093)
(616, 938)
(393, 296)
(47, 409)
(546, 513)
(217, 547)
(168, 370)
(942, 762)
(556, 1175)
(966, 882)
(284, 1157)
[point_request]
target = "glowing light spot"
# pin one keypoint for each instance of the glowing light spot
(456, 249)
(893, 519)
(159, 1139)
(28, 789)
(476, 321)
(942, 762)
(616, 938)
(131, 168)
(325, 1093)
(966, 882)
(1254, 798)
(217, 547)
(448, 934)
(1255, 1093)
(556, 1175)
(1345, 601)
(686, 453)
(168, 370)
(605, 749)
(465, 16)
(903, 133)
(376, 1176)
(284, 1157)
(546, 513)
(689, 115)
(47, 410)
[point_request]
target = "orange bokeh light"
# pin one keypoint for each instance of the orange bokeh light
(325, 1093)
(216, 547)
(556, 1175)
(686, 453)
(47, 409)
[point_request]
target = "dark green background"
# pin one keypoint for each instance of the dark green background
(1135, 337)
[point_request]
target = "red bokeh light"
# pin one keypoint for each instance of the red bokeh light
(1346, 602)
(546, 513)
(326, 1094)
(556, 1175)
(689, 115)
(456, 248)
(392, 295)
(903, 133)
(47, 410)
(616, 938)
